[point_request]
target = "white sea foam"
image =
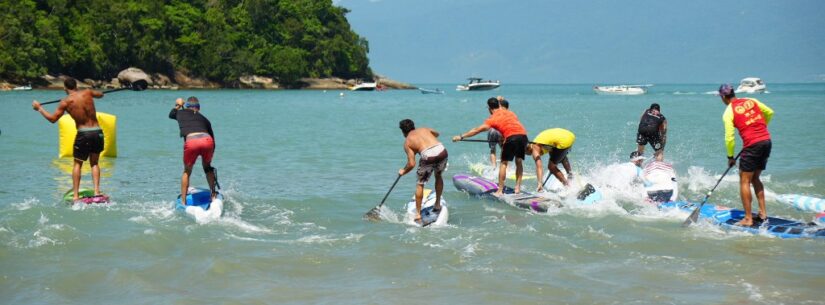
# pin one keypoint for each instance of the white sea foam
(27, 203)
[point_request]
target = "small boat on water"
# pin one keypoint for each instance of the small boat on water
(364, 86)
(477, 84)
(621, 89)
(751, 85)
(22, 88)
(431, 91)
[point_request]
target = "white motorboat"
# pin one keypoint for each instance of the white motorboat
(431, 91)
(621, 89)
(364, 86)
(22, 88)
(478, 84)
(751, 85)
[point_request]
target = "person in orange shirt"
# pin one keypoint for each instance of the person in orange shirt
(515, 140)
(751, 118)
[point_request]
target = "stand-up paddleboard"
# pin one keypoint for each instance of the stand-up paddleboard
(87, 196)
(491, 173)
(727, 218)
(538, 202)
(802, 202)
(200, 206)
(428, 216)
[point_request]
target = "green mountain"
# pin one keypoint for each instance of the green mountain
(219, 40)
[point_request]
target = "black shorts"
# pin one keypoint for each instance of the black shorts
(755, 157)
(494, 138)
(514, 147)
(660, 196)
(86, 143)
(558, 155)
(653, 138)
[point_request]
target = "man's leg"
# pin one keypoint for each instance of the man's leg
(210, 176)
(502, 174)
(439, 188)
(419, 195)
(554, 169)
(93, 161)
(76, 178)
(519, 172)
(184, 183)
(759, 189)
(745, 192)
(493, 158)
(567, 167)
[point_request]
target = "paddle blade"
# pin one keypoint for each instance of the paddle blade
(694, 216)
(374, 214)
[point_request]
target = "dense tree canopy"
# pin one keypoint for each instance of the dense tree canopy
(220, 40)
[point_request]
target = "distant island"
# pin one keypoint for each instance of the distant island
(183, 44)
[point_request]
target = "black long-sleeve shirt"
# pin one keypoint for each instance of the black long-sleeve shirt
(191, 121)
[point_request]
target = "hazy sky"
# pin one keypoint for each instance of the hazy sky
(589, 42)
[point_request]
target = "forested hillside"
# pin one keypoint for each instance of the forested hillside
(219, 40)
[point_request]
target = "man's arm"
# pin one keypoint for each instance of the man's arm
(96, 94)
(767, 112)
(178, 105)
(535, 151)
(730, 142)
(410, 160)
(663, 133)
(472, 132)
(61, 108)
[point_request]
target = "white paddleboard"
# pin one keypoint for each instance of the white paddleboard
(428, 217)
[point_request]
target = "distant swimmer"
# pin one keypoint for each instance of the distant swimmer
(556, 142)
(653, 130)
(424, 142)
(88, 142)
(751, 118)
(199, 140)
(494, 137)
(515, 140)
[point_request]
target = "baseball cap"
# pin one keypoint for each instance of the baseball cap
(655, 106)
(636, 156)
(192, 102)
(725, 90)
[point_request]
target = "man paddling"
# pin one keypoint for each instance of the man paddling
(423, 141)
(556, 142)
(751, 118)
(494, 137)
(653, 130)
(515, 140)
(88, 143)
(199, 140)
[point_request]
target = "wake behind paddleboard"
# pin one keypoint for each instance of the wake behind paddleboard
(200, 205)
(802, 202)
(538, 202)
(87, 196)
(428, 216)
(727, 218)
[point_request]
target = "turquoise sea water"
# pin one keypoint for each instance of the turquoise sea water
(300, 168)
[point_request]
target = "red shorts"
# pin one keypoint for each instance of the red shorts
(192, 148)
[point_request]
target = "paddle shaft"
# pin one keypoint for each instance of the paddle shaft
(104, 92)
(389, 191)
(695, 214)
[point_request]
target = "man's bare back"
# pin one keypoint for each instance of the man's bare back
(81, 106)
(421, 138)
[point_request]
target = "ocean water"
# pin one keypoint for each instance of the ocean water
(300, 168)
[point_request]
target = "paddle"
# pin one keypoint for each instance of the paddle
(138, 85)
(375, 213)
(694, 216)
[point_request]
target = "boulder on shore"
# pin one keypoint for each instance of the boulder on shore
(257, 82)
(185, 81)
(132, 74)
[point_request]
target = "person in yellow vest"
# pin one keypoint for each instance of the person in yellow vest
(751, 118)
(556, 142)
(88, 143)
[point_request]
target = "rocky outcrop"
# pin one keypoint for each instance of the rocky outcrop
(181, 79)
(257, 82)
(133, 74)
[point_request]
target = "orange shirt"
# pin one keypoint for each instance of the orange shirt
(506, 122)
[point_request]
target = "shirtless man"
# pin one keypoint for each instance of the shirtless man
(433, 159)
(88, 142)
